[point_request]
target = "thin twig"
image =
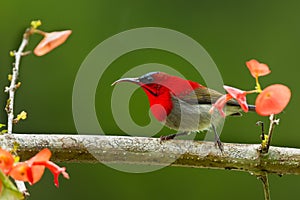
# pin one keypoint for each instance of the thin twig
(260, 123)
(264, 179)
(11, 91)
(22, 188)
(12, 88)
(266, 145)
(273, 122)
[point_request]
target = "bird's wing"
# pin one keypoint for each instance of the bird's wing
(205, 96)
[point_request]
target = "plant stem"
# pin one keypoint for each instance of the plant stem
(12, 88)
(264, 179)
(11, 91)
(273, 122)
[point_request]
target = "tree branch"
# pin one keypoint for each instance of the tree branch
(150, 151)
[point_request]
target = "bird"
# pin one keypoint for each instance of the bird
(183, 105)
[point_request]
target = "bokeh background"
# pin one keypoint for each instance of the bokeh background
(232, 32)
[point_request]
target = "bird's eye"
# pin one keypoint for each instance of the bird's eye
(149, 78)
(146, 79)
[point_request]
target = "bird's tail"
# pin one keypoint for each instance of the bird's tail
(251, 107)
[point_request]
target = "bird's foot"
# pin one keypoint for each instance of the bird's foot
(218, 142)
(167, 137)
(172, 136)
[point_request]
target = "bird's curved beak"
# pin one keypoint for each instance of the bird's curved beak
(131, 80)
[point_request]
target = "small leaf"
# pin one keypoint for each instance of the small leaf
(17, 159)
(12, 53)
(264, 141)
(7, 107)
(36, 23)
(9, 190)
(18, 85)
(9, 77)
(21, 116)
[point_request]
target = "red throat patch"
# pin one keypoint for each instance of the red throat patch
(160, 95)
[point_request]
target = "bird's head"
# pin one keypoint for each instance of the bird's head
(160, 87)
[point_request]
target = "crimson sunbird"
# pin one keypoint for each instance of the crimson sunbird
(181, 104)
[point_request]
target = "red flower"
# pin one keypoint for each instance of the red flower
(257, 69)
(6, 161)
(239, 95)
(235, 93)
(55, 169)
(272, 100)
(32, 170)
(51, 41)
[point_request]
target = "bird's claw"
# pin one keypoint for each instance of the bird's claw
(167, 137)
(172, 136)
(219, 144)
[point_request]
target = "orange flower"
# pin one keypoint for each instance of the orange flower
(6, 161)
(55, 170)
(22, 172)
(257, 69)
(51, 41)
(272, 100)
(32, 170)
(25, 171)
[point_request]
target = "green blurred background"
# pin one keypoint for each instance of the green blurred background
(231, 31)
